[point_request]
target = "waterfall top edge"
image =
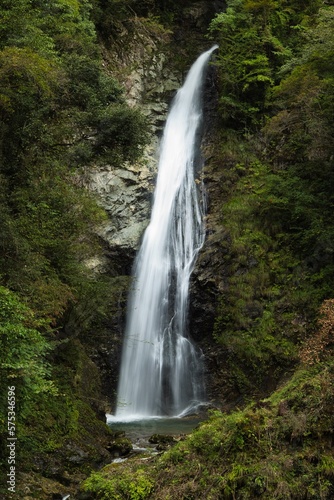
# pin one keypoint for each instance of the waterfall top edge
(213, 48)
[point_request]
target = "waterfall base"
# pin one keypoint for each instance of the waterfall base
(191, 411)
(140, 430)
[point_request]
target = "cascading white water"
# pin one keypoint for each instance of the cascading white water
(161, 369)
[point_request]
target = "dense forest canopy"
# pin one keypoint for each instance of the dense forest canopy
(61, 112)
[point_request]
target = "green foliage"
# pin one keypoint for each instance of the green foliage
(259, 317)
(15, 315)
(87, 87)
(24, 75)
(57, 113)
(243, 61)
(299, 137)
(278, 197)
(23, 354)
(59, 110)
(20, 27)
(255, 39)
(132, 486)
(121, 134)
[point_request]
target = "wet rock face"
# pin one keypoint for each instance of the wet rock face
(152, 86)
(125, 194)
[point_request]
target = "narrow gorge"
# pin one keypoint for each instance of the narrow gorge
(166, 249)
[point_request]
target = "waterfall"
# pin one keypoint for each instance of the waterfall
(161, 369)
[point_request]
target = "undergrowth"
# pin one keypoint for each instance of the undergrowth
(278, 448)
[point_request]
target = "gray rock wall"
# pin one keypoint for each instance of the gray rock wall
(126, 193)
